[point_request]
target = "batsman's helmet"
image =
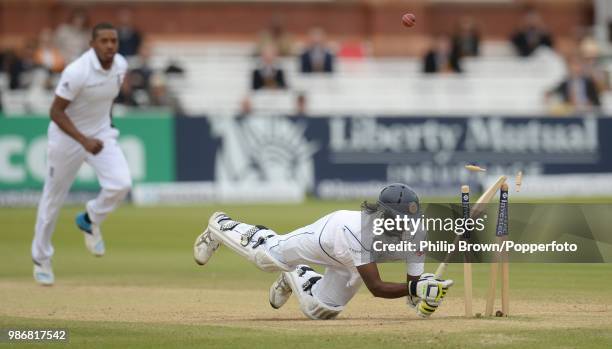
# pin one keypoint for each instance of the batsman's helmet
(399, 199)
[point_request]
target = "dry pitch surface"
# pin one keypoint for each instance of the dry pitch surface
(147, 292)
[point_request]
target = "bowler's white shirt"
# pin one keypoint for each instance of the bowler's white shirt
(91, 90)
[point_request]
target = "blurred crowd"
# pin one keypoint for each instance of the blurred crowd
(579, 91)
(39, 62)
(315, 57)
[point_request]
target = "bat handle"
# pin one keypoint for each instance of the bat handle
(441, 270)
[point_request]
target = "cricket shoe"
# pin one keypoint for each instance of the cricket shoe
(204, 247)
(219, 221)
(43, 273)
(280, 291)
(92, 234)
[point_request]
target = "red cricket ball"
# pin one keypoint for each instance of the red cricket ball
(408, 20)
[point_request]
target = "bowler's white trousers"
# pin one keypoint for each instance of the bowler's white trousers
(64, 158)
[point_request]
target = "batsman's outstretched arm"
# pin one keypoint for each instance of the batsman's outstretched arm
(371, 278)
(424, 287)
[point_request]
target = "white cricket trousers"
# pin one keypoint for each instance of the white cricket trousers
(303, 246)
(339, 283)
(64, 158)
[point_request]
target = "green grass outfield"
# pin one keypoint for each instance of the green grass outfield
(147, 292)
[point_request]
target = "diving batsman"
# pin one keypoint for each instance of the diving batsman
(334, 242)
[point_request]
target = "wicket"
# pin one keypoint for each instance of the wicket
(467, 265)
(475, 211)
(501, 258)
(501, 232)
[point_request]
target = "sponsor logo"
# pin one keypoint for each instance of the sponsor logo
(24, 161)
(443, 141)
(263, 150)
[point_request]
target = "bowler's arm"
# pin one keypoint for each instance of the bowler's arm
(59, 117)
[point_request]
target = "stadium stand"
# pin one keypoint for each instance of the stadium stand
(217, 72)
(218, 79)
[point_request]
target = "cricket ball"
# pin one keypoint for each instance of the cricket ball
(499, 313)
(408, 20)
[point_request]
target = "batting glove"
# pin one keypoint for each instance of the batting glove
(431, 292)
(428, 288)
(412, 301)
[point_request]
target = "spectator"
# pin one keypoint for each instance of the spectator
(591, 52)
(19, 65)
(174, 68)
(9, 60)
(130, 38)
(353, 49)
(466, 41)
(161, 96)
(531, 35)
(126, 94)
(47, 55)
(268, 75)
(246, 107)
(142, 71)
(136, 89)
(317, 58)
(441, 58)
(300, 104)
(578, 90)
(276, 36)
(2, 69)
(72, 38)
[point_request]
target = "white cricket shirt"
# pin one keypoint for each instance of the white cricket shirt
(341, 239)
(91, 90)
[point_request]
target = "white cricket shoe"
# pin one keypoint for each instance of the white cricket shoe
(94, 241)
(280, 291)
(204, 247)
(214, 222)
(92, 234)
(43, 273)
